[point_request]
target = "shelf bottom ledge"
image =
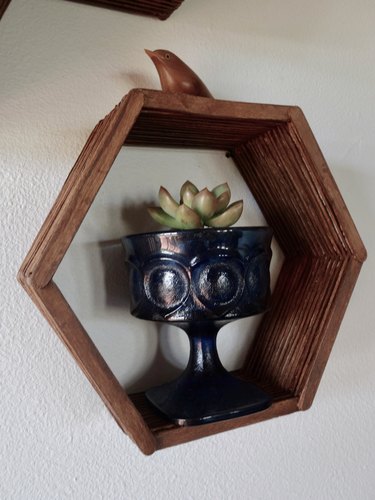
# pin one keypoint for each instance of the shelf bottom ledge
(175, 435)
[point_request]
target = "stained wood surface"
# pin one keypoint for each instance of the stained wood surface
(171, 437)
(157, 8)
(279, 159)
(164, 129)
(204, 107)
(178, 120)
(168, 434)
(291, 182)
(78, 192)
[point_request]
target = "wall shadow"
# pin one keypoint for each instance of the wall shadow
(136, 216)
(113, 256)
(161, 369)
(116, 273)
(163, 366)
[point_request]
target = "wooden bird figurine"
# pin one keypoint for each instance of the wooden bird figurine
(175, 76)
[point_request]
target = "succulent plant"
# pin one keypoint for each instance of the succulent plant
(197, 208)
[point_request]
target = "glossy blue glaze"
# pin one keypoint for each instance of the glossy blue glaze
(199, 274)
(199, 280)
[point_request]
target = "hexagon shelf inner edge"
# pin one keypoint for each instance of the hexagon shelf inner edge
(279, 159)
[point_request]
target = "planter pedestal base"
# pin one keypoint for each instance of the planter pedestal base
(205, 392)
(207, 399)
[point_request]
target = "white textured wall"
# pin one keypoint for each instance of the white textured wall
(63, 67)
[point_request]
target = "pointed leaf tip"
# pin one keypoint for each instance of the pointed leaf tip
(222, 202)
(205, 204)
(227, 218)
(220, 189)
(162, 218)
(187, 193)
(167, 202)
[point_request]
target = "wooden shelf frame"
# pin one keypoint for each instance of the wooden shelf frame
(279, 159)
(162, 9)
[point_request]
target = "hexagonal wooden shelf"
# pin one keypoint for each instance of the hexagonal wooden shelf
(157, 8)
(279, 159)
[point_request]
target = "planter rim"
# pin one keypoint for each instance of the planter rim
(200, 230)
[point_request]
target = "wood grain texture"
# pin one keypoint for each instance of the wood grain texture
(79, 191)
(174, 436)
(292, 184)
(279, 159)
(161, 9)
(168, 434)
(202, 106)
(181, 120)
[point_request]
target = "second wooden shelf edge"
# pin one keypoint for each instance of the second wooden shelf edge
(169, 434)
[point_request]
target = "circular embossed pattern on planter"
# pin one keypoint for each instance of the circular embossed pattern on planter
(256, 274)
(166, 284)
(218, 284)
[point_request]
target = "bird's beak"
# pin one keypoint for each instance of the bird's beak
(154, 57)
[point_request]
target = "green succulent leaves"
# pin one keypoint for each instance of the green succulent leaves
(197, 208)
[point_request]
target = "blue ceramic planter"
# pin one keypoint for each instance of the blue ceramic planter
(199, 280)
